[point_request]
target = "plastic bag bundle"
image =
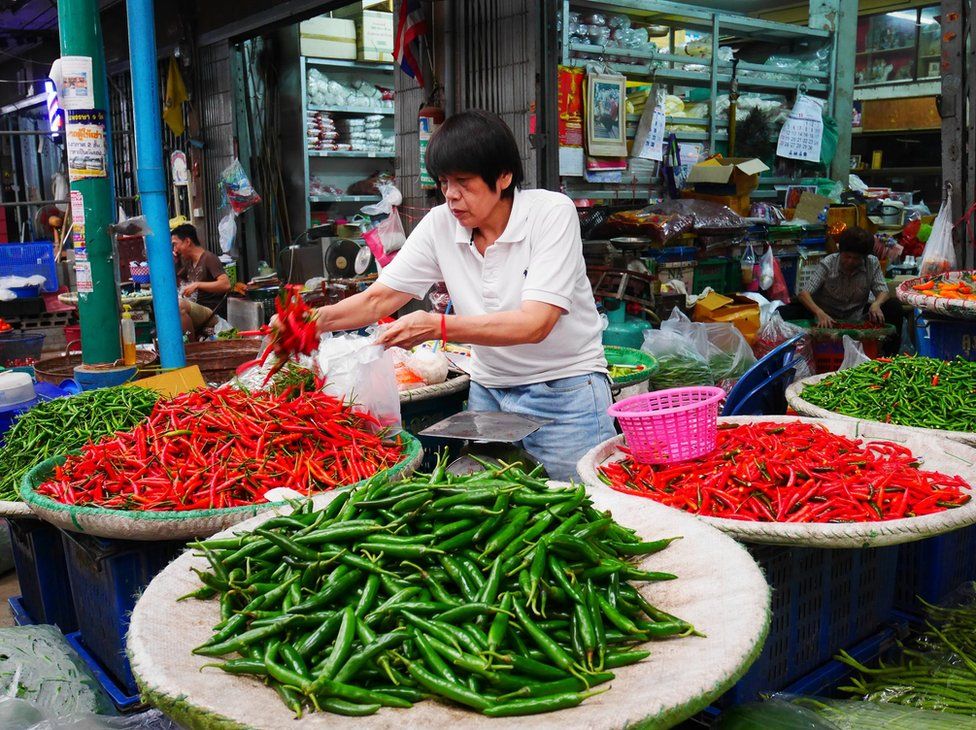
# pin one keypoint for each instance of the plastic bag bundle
(237, 188)
(679, 363)
(357, 369)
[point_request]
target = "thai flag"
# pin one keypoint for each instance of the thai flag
(411, 25)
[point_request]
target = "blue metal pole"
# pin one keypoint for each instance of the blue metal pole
(147, 104)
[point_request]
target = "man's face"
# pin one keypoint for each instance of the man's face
(181, 246)
(850, 262)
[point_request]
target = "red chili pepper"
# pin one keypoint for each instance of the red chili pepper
(225, 448)
(794, 472)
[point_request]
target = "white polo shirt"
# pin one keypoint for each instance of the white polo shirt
(538, 257)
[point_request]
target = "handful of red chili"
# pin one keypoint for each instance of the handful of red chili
(225, 448)
(793, 472)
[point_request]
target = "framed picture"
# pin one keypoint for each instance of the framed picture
(855, 162)
(934, 69)
(606, 133)
(793, 193)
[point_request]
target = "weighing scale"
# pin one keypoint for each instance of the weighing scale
(617, 285)
(491, 437)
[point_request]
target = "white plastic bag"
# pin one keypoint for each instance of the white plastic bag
(853, 353)
(939, 255)
(386, 238)
(391, 199)
(227, 231)
(360, 371)
(767, 271)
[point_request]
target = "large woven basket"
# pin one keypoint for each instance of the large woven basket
(451, 386)
(938, 454)
(795, 400)
(956, 308)
(719, 589)
(133, 525)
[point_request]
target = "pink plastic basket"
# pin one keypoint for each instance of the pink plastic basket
(670, 425)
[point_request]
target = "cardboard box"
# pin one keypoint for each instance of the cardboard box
(386, 5)
(726, 176)
(376, 36)
(739, 311)
(741, 204)
(328, 38)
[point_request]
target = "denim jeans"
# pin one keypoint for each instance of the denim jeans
(577, 407)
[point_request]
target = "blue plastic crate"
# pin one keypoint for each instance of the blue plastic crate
(933, 568)
(823, 601)
(28, 259)
(42, 573)
(123, 700)
(945, 338)
(107, 577)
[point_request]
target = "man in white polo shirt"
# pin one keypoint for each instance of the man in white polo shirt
(512, 261)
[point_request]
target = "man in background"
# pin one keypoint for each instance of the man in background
(201, 278)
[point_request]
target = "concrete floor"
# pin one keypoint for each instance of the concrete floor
(8, 587)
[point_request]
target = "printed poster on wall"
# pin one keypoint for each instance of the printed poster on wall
(426, 130)
(77, 219)
(85, 139)
(75, 84)
(83, 272)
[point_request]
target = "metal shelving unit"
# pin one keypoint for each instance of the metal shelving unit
(343, 167)
(724, 28)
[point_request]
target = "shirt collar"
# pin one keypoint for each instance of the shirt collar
(515, 230)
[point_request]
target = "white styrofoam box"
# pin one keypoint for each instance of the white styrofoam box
(329, 38)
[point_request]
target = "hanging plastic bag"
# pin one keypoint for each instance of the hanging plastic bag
(774, 333)
(777, 291)
(679, 363)
(237, 188)
(227, 231)
(748, 265)
(767, 270)
(386, 238)
(360, 371)
(853, 353)
(939, 255)
(391, 198)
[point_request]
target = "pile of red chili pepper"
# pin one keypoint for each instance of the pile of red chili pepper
(793, 472)
(225, 448)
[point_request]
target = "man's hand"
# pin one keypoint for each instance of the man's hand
(875, 314)
(410, 330)
(190, 288)
(824, 319)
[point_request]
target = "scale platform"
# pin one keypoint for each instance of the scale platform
(490, 438)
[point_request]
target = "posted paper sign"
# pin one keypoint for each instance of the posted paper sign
(802, 133)
(85, 140)
(83, 272)
(653, 147)
(75, 84)
(78, 219)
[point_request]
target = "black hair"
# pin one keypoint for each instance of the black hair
(186, 230)
(856, 240)
(476, 142)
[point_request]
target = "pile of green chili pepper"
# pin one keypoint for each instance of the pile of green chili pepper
(906, 390)
(492, 591)
(65, 424)
(936, 670)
